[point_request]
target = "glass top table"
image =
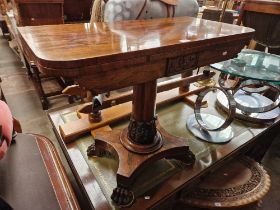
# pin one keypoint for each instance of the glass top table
(252, 64)
(244, 99)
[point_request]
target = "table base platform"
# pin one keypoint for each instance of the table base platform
(130, 163)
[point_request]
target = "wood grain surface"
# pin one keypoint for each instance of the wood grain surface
(136, 51)
(38, 12)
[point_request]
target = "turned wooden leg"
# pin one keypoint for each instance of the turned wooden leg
(142, 135)
(28, 67)
(122, 196)
(38, 85)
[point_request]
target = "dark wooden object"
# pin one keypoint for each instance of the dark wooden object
(241, 183)
(259, 6)
(46, 12)
(264, 17)
(32, 176)
(3, 25)
(101, 59)
(4, 28)
(77, 10)
(214, 14)
(38, 80)
(38, 12)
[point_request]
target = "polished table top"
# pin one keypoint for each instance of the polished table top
(252, 64)
(91, 41)
(82, 50)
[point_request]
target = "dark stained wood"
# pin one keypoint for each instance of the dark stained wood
(185, 75)
(208, 163)
(38, 12)
(37, 1)
(264, 17)
(144, 98)
(142, 135)
(77, 10)
(17, 126)
(32, 13)
(261, 6)
(175, 147)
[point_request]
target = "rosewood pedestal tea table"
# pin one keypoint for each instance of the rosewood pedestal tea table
(106, 56)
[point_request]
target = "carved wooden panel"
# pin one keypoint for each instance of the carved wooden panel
(180, 63)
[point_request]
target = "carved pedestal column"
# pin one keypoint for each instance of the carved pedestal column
(140, 144)
(142, 136)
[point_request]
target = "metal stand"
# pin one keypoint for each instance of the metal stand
(252, 100)
(217, 137)
(211, 128)
(246, 99)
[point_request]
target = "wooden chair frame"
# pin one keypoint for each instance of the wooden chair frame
(269, 7)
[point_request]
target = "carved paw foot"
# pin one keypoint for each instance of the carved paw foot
(101, 149)
(122, 196)
(188, 158)
(95, 150)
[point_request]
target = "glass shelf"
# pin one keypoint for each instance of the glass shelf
(252, 64)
